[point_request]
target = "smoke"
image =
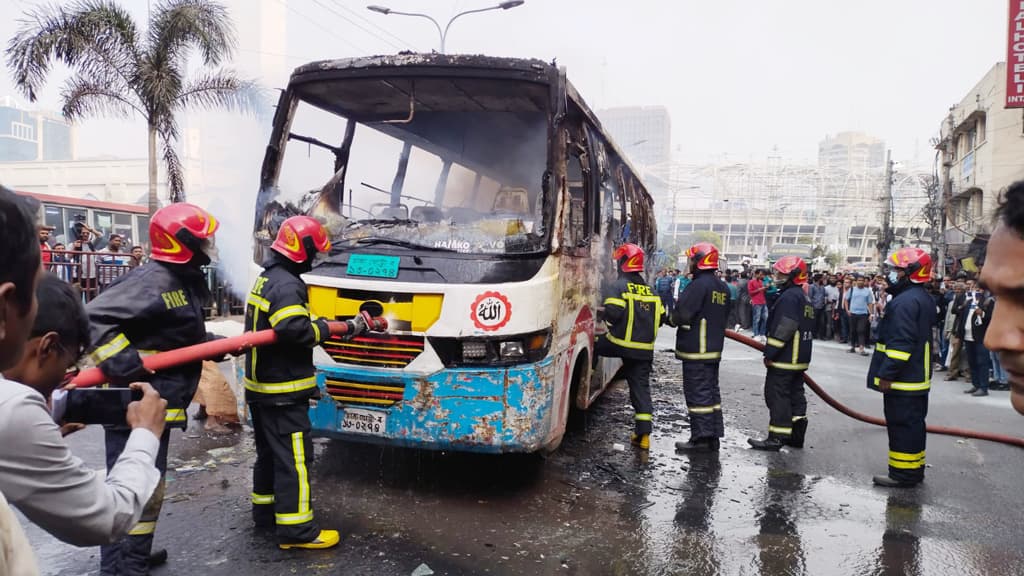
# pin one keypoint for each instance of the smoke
(235, 241)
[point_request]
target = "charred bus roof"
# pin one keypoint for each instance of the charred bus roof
(413, 64)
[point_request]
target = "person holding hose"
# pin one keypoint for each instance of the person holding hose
(157, 307)
(787, 354)
(700, 317)
(633, 313)
(280, 380)
(901, 366)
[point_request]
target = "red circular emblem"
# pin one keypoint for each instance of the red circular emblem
(490, 311)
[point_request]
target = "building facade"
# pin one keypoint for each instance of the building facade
(851, 151)
(104, 180)
(27, 136)
(982, 147)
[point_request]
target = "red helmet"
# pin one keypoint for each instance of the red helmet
(300, 238)
(916, 262)
(704, 255)
(630, 258)
(794, 267)
(176, 232)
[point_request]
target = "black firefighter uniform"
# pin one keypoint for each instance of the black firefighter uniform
(787, 353)
(700, 315)
(903, 357)
(633, 313)
(157, 307)
(279, 382)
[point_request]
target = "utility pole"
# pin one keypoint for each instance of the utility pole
(886, 235)
(947, 190)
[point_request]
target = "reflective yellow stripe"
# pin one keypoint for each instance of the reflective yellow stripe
(143, 529)
(880, 347)
(280, 387)
(316, 329)
(258, 302)
(928, 361)
(795, 418)
(702, 409)
(898, 355)
(785, 431)
(631, 345)
(175, 415)
(908, 386)
(288, 312)
(293, 519)
(906, 465)
(615, 302)
(643, 417)
(698, 355)
(774, 342)
(117, 344)
(796, 347)
(299, 449)
(262, 498)
(703, 335)
(906, 456)
(788, 366)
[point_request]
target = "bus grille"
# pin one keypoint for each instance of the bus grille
(380, 395)
(379, 350)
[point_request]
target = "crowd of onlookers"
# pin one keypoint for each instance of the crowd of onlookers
(849, 306)
(92, 261)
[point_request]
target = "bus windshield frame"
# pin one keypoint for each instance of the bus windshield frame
(440, 163)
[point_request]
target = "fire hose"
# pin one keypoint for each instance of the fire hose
(947, 430)
(215, 349)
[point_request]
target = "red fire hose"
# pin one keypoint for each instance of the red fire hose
(949, 431)
(217, 349)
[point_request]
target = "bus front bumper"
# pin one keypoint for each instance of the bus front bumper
(506, 409)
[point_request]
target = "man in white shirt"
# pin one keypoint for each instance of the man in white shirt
(38, 474)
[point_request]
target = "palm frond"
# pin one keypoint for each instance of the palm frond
(178, 25)
(160, 83)
(175, 171)
(222, 89)
(91, 36)
(84, 96)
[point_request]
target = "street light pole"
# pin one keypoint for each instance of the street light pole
(444, 33)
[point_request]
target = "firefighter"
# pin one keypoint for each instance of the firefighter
(158, 307)
(279, 382)
(633, 313)
(787, 354)
(901, 366)
(700, 319)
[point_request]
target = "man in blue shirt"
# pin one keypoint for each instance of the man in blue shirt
(860, 305)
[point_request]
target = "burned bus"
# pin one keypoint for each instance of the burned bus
(474, 202)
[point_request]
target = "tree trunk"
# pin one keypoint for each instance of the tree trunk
(154, 201)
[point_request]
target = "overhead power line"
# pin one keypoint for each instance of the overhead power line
(404, 43)
(333, 33)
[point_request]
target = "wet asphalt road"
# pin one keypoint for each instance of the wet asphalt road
(592, 509)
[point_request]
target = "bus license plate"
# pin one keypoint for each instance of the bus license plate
(358, 421)
(373, 265)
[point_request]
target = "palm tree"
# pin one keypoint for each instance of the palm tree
(122, 72)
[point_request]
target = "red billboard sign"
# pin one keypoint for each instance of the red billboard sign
(1015, 56)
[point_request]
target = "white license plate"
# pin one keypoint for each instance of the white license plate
(358, 421)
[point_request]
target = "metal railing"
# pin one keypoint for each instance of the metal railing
(90, 273)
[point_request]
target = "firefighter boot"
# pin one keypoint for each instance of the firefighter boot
(887, 482)
(773, 443)
(642, 441)
(157, 557)
(699, 445)
(799, 433)
(326, 539)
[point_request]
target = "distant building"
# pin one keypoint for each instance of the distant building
(982, 144)
(852, 152)
(117, 180)
(27, 136)
(644, 133)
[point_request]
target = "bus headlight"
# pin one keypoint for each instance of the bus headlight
(511, 350)
(495, 351)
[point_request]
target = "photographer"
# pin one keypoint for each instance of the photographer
(38, 474)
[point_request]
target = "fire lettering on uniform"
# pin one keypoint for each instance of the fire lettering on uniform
(174, 299)
(808, 312)
(718, 297)
(640, 289)
(257, 289)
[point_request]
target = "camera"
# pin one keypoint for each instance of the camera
(107, 406)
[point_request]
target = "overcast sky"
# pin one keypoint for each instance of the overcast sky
(739, 77)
